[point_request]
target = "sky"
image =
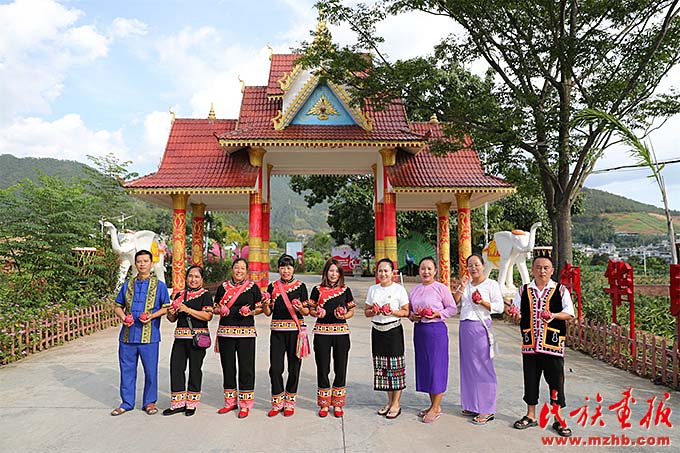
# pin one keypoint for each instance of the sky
(81, 77)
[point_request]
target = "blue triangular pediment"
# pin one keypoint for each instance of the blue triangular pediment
(323, 108)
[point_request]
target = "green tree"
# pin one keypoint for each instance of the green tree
(644, 155)
(43, 222)
(547, 60)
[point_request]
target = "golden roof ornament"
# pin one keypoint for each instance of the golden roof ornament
(433, 118)
(211, 115)
(271, 52)
(172, 115)
(243, 83)
(322, 108)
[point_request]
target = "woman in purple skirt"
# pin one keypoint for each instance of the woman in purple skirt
(431, 303)
(477, 297)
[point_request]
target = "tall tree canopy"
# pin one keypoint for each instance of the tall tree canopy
(547, 60)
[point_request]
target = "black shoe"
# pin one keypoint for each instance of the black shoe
(190, 412)
(174, 411)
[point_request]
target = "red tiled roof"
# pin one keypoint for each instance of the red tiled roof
(257, 111)
(281, 63)
(459, 169)
(194, 158)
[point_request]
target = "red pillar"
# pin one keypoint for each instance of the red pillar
(444, 246)
(179, 240)
(390, 227)
(464, 231)
(255, 236)
(197, 231)
(264, 253)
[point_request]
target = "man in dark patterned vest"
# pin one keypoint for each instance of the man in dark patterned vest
(140, 304)
(543, 308)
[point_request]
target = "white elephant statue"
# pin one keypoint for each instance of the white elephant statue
(507, 249)
(127, 244)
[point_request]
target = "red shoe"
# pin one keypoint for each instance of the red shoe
(287, 412)
(338, 412)
(273, 412)
(224, 410)
(323, 412)
(243, 413)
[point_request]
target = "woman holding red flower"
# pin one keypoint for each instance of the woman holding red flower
(332, 304)
(237, 301)
(386, 304)
(288, 298)
(477, 297)
(431, 305)
(191, 309)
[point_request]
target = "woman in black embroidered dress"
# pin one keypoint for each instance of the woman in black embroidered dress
(284, 335)
(237, 301)
(193, 303)
(332, 304)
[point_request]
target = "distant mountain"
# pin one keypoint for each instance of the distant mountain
(601, 202)
(606, 215)
(289, 215)
(14, 169)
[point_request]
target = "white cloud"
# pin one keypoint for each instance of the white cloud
(207, 70)
(38, 45)
(122, 27)
(65, 138)
(85, 44)
(156, 132)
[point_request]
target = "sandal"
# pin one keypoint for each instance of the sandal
(384, 410)
(118, 411)
(338, 412)
(482, 419)
(151, 409)
(391, 415)
(431, 418)
(524, 423)
(423, 412)
(563, 431)
(323, 412)
(468, 413)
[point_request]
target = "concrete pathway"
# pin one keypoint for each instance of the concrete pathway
(60, 399)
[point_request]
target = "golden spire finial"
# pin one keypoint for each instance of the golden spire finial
(433, 118)
(271, 51)
(211, 115)
(172, 115)
(242, 82)
(322, 37)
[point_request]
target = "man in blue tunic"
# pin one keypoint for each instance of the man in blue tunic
(140, 304)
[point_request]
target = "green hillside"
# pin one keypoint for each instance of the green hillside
(14, 169)
(600, 202)
(289, 211)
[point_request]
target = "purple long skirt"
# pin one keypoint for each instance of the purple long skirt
(477, 374)
(431, 343)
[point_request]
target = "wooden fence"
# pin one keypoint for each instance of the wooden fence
(650, 356)
(31, 337)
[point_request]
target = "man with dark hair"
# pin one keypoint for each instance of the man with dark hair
(543, 308)
(140, 304)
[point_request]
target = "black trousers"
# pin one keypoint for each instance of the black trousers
(325, 347)
(282, 345)
(552, 368)
(244, 349)
(183, 350)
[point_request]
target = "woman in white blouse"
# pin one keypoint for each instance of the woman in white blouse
(386, 304)
(477, 297)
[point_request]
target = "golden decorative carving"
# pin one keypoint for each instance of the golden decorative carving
(433, 118)
(255, 156)
(211, 114)
(271, 51)
(172, 115)
(322, 108)
(389, 156)
(243, 83)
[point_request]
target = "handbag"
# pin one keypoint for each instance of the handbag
(200, 340)
(493, 344)
(302, 348)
